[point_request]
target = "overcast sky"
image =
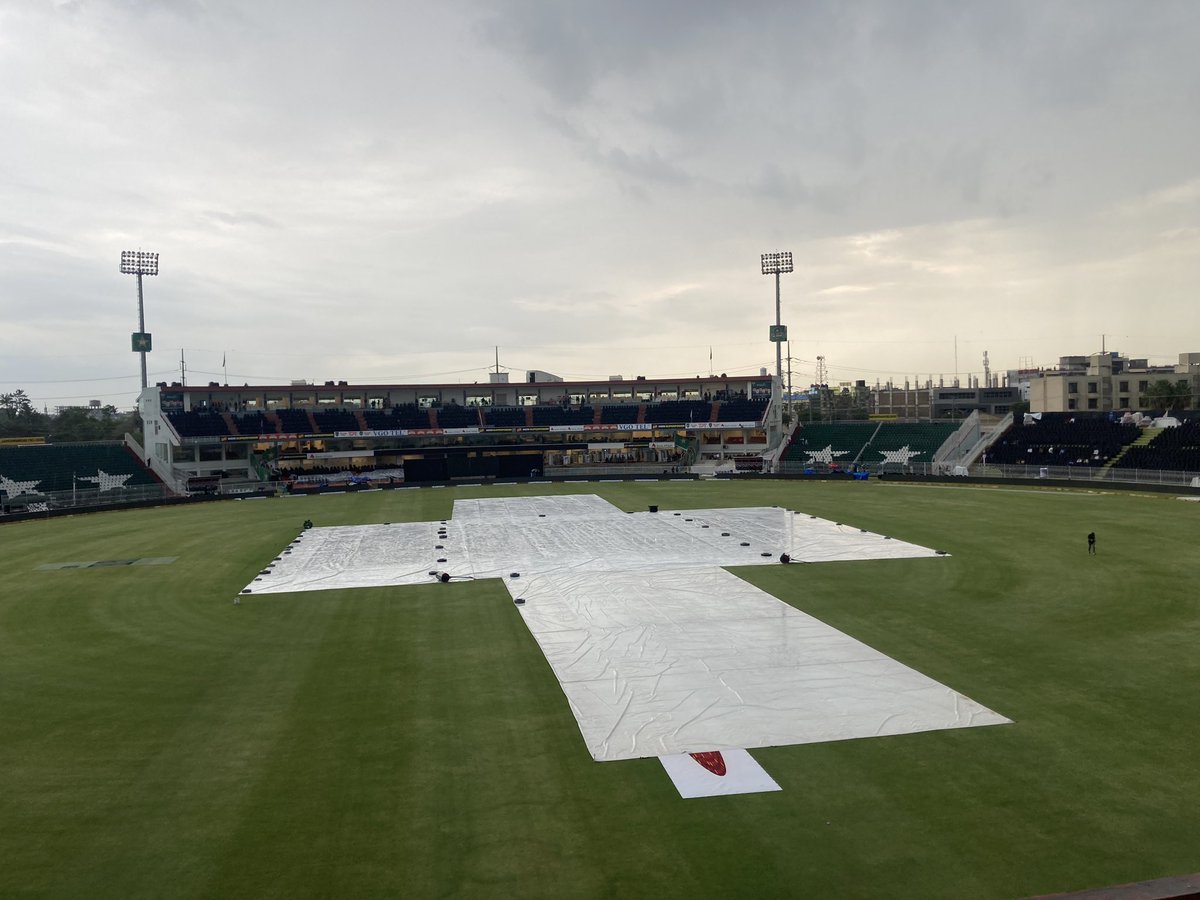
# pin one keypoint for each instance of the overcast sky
(384, 191)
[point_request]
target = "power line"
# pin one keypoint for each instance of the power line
(80, 380)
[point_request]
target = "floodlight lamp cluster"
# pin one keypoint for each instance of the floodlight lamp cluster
(136, 262)
(776, 263)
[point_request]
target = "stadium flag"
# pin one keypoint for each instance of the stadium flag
(717, 773)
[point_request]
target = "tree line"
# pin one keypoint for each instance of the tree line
(19, 418)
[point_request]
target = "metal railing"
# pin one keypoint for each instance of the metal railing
(616, 470)
(1073, 474)
(91, 498)
(1091, 475)
(952, 449)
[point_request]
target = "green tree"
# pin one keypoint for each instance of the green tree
(18, 418)
(16, 404)
(1168, 395)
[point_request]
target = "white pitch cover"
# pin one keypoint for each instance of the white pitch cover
(717, 773)
(679, 660)
(659, 650)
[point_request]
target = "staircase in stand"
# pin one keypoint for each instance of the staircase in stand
(1147, 435)
(230, 423)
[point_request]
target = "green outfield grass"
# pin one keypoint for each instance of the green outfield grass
(157, 741)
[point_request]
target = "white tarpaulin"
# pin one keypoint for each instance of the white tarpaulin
(489, 538)
(679, 660)
(658, 649)
(717, 774)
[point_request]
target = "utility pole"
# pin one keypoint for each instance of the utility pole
(822, 376)
(791, 403)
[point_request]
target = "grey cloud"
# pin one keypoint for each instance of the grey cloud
(962, 168)
(237, 219)
(572, 175)
(787, 189)
(645, 166)
(570, 47)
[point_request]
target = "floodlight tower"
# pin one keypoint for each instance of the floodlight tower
(135, 262)
(777, 264)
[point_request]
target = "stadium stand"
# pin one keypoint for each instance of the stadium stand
(1174, 449)
(563, 415)
(897, 443)
(234, 438)
(330, 420)
(45, 468)
(741, 410)
(829, 444)
(402, 416)
(619, 414)
(455, 416)
(253, 423)
(294, 421)
(409, 415)
(198, 424)
(678, 411)
(505, 416)
(1063, 439)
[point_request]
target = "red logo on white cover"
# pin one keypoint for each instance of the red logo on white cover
(711, 760)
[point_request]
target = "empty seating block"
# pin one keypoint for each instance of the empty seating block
(741, 410)
(198, 424)
(1063, 439)
(329, 420)
(61, 467)
(404, 417)
(294, 421)
(679, 411)
(619, 414)
(562, 415)
(901, 443)
(253, 423)
(504, 416)
(828, 444)
(1175, 449)
(457, 417)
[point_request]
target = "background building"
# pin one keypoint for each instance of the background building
(1109, 382)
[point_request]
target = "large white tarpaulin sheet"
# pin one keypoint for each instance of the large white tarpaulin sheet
(679, 660)
(658, 649)
(490, 538)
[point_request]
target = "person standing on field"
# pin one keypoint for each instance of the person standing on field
(1092, 543)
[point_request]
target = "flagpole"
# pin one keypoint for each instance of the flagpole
(224, 370)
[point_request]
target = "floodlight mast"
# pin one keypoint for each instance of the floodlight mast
(778, 263)
(136, 262)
